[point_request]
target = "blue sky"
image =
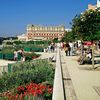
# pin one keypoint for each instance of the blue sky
(16, 14)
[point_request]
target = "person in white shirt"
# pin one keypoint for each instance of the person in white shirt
(16, 55)
(71, 48)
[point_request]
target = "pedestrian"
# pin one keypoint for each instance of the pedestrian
(16, 55)
(71, 48)
(49, 48)
(62, 45)
(99, 44)
(52, 47)
(22, 55)
(66, 48)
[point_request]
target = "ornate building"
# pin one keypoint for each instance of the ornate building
(93, 7)
(37, 32)
(22, 37)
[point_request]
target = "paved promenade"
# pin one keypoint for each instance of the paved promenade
(85, 80)
(45, 55)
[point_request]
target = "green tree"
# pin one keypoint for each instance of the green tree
(68, 36)
(17, 42)
(55, 40)
(87, 25)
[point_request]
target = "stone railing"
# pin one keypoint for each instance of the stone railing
(58, 90)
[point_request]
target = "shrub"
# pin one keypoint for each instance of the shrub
(7, 53)
(30, 56)
(22, 66)
(9, 43)
(17, 42)
(7, 50)
(38, 71)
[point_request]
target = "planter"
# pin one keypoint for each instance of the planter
(34, 49)
(1, 56)
(27, 49)
(34, 57)
(9, 68)
(28, 59)
(9, 56)
(37, 49)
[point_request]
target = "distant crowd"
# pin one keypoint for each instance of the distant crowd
(84, 50)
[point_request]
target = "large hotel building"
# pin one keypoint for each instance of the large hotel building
(37, 32)
(94, 7)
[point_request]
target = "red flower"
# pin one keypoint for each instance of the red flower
(30, 89)
(21, 88)
(25, 93)
(50, 90)
(16, 96)
(42, 87)
(39, 91)
(32, 92)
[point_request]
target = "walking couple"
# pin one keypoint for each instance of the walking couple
(68, 49)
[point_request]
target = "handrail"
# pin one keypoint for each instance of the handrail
(58, 91)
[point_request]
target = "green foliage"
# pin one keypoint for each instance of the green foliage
(9, 43)
(31, 55)
(87, 25)
(38, 42)
(30, 97)
(44, 72)
(22, 66)
(7, 50)
(17, 42)
(55, 40)
(69, 36)
(14, 38)
(36, 46)
(22, 73)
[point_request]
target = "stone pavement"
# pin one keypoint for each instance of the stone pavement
(85, 80)
(46, 55)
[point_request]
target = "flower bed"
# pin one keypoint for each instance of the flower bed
(30, 56)
(32, 90)
(22, 74)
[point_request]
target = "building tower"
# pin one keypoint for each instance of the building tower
(98, 3)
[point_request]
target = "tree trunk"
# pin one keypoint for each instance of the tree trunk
(82, 47)
(93, 55)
